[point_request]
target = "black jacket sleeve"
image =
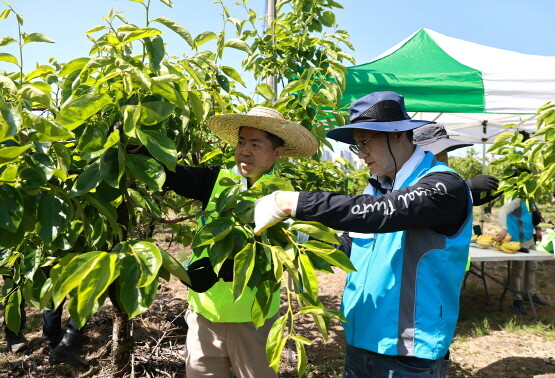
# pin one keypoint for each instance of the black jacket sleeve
(192, 182)
(438, 201)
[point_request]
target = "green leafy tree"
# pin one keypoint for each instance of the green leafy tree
(529, 166)
(77, 211)
(74, 199)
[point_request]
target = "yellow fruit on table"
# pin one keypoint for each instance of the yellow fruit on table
(484, 241)
(507, 250)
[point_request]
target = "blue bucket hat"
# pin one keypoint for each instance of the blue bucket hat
(379, 111)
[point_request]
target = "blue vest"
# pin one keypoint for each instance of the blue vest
(519, 224)
(403, 300)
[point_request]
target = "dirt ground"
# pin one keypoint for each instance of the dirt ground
(489, 342)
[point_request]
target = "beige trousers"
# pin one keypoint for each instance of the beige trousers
(517, 270)
(213, 349)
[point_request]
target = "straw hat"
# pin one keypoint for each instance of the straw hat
(299, 142)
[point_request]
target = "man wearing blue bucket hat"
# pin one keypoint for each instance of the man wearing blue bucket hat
(414, 227)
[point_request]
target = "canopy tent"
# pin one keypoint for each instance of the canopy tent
(471, 89)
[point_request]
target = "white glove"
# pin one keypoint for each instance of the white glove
(267, 213)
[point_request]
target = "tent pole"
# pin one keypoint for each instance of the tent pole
(484, 140)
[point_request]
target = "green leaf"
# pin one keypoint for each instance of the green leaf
(71, 274)
(270, 185)
(109, 213)
(11, 208)
(238, 44)
(202, 38)
(174, 267)
(320, 311)
(310, 281)
(220, 251)
(10, 122)
(156, 51)
(232, 73)
(4, 41)
(8, 154)
(501, 140)
(292, 86)
(196, 104)
(213, 232)
(5, 13)
(155, 112)
(42, 70)
(62, 156)
(96, 28)
(37, 37)
(112, 166)
(301, 356)
(87, 180)
(149, 258)
(93, 286)
(276, 342)
(131, 115)
(242, 269)
(112, 139)
(265, 91)
(32, 289)
(223, 82)
(82, 108)
(52, 217)
(5, 57)
(48, 131)
(146, 170)
(330, 254)
(133, 33)
(265, 292)
(12, 312)
(160, 146)
(317, 231)
(175, 27)
(30, 92)
(134, 300)
(328, 19)
(212, 154)
(73, 65)
(8, 85)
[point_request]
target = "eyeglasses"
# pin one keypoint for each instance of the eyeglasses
(361, 146)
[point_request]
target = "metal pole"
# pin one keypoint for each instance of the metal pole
(484, 140)
(271, 15)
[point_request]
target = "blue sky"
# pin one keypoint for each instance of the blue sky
(520, 25)
(524, 26)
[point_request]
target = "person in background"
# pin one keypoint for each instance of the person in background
(64, 343)
(221, 336)
(434, 138)
(515, 220)
(414, 222)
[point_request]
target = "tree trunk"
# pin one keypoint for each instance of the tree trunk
(122, 337)
(122, 344)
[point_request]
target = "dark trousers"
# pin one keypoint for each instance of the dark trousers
(52, 324)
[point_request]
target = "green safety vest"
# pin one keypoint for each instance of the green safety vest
(216, 304)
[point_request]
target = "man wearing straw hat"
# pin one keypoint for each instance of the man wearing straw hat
(221, 335)
(414, 227)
